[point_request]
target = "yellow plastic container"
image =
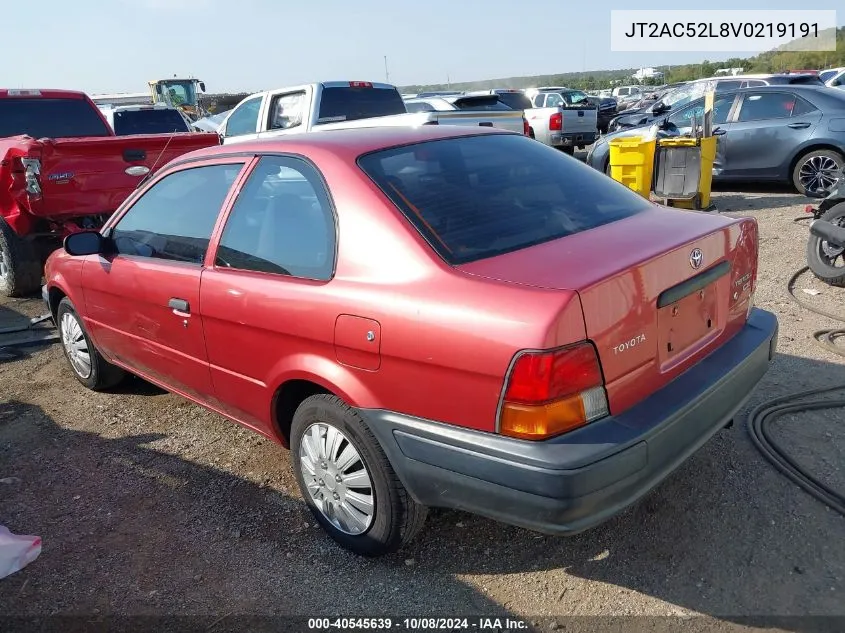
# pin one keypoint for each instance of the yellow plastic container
(632, 163)
(707, 146)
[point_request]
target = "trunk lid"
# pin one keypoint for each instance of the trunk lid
(92, 176)
(659, 290)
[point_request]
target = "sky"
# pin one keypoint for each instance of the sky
(251, 45)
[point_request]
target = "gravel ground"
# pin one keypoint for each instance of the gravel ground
(150, 505)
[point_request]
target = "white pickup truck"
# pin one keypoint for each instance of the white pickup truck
(485, 110)
(330, 106)
(562, 118)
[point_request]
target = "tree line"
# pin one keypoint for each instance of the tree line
(768, 62)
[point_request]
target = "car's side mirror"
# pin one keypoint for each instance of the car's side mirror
(202, 86)
(718, 132)
(659, 108)
(84, 243)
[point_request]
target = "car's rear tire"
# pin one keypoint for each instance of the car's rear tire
(347, 480)
(822, 257)
(816, 172)
(20, 264)
(87, 364)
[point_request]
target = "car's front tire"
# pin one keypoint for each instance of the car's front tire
(348, 482)
(89, 367)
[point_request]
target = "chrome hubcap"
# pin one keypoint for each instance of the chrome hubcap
(336, 478)
(4, 264)
(76, 347)
(818, 174)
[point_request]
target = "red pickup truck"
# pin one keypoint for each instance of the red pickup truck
(62, 170)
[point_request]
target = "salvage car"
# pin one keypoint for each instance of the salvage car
(426, 317)
(63, 169)
(679, 97)
(788, 133)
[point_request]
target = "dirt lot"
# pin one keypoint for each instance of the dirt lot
(150, 505)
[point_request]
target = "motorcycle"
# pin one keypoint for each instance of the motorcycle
(826, 246)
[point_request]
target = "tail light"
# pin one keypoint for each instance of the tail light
(745, 262)
(32, 175)
(556, 122)
(360, 84)
(526, 129)
(552, 392)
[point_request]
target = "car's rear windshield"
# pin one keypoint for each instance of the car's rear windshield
(351, 104)
(50, 118)
(481, 103)
(475, 197)
(515, 100)
(149, 121)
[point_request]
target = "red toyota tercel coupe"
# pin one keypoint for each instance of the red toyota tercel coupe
(448, 316)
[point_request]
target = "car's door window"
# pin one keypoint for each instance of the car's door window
(286, 111)
(175, 217)
(695, 110)
(244, 120)
(802, 106)
(728, 84)
(282, 223)
(753, 83)
(759, 106)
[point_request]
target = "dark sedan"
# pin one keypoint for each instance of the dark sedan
(788, 133)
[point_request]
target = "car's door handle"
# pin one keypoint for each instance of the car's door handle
(179, 305)
(798, 126)
(486, 124)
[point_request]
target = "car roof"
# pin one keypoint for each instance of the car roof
(46, 93)
(345, 143)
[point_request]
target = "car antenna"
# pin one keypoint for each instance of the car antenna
(150, 173)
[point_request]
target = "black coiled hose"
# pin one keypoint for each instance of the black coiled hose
(761, 416)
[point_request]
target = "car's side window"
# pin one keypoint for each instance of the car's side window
(695, 110)
(759, 106)
(174, 219)
(802, 106)
(282, 223)
(244, 120)
(286, 111)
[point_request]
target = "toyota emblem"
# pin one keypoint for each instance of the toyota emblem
(695, 258)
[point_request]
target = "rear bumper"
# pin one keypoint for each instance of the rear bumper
(567, 139)
(574, 482)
